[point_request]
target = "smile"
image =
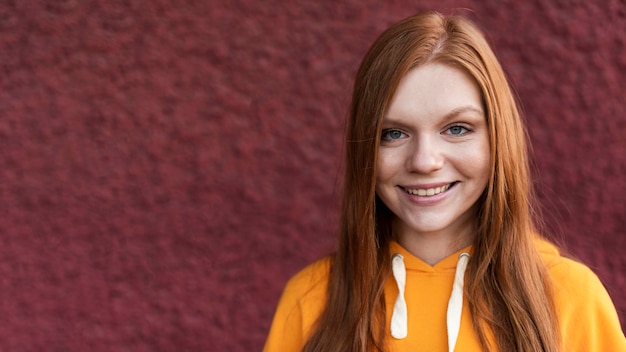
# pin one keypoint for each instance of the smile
(428, 192)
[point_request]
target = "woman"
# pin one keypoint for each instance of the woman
(437, 248)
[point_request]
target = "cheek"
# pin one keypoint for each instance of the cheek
(387, 166)
(481, 164)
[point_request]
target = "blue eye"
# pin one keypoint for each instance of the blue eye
(457, 130)
(389, 135)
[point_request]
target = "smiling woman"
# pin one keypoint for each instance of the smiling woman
(437, 248)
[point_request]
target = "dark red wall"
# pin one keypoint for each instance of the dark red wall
(166, 165)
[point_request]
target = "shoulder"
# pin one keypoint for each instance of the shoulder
(568, 275)
(563, 270)
(310, 282)
(305, 292)
(302, 301)
(586, 313)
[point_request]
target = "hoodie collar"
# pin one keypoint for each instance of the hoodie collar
(448, 264)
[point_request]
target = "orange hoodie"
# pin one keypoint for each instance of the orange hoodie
(587, 317)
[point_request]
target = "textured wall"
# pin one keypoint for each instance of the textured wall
(165, 166)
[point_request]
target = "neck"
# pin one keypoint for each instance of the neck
(432, 247)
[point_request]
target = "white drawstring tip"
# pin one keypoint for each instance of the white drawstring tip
(399, 324)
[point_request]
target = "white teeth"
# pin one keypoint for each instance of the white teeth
(428, 192)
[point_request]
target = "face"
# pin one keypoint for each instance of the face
(434, 161)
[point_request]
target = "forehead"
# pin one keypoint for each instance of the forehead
(433, 90)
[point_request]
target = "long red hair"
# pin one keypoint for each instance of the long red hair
(507, 288)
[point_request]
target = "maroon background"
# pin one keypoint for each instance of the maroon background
(167, 165)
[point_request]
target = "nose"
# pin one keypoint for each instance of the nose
(427, 156)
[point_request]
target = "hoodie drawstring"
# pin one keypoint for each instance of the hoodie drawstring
(399, 325)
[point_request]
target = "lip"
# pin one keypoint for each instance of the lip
(428, 200)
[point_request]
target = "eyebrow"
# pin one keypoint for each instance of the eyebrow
(449, 116)
(463, 109)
